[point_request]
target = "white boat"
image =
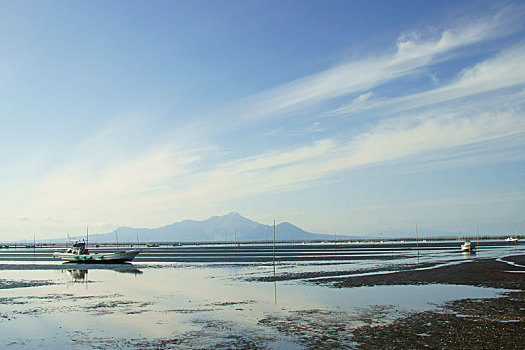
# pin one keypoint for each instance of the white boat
(78, 253)
(467, 247)
(512, 239)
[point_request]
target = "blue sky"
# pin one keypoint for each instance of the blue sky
(338, 116)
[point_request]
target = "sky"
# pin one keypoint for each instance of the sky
(354, 117)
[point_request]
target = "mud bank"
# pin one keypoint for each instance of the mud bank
(464, 324)
(496, 273)
(497, 323)
(7, 284)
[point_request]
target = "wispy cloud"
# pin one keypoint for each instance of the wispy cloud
(440, 138)
(120, 170)
(402, 137)
(504, 71)
(412, 53)
(360, 103)
(108, 174)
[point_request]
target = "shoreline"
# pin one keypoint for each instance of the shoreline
(466, 323)
(490, 272)
(488, 323)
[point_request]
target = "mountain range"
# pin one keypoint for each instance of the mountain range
(217, 228)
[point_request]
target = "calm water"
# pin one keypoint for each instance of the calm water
(162, 302)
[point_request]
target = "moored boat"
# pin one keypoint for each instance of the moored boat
(467, 247)
(80, 254)
(512, 239)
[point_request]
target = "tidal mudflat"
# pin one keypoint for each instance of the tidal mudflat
(350, 296)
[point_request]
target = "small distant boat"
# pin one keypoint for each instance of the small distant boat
(80, 254)
(512, 239)
(467, 247)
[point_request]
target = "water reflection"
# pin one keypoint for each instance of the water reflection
(201, 306)
(78, 275)
(132, 270)
(81, 275)
(469, 255)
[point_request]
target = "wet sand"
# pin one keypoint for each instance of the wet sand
(8, 284)
(464, 324)
(468, 323)
(496, 273)
(497, 323)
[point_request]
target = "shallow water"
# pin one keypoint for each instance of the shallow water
(185, 305)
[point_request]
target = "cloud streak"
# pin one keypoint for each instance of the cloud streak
(441, 138)
(121, 172)
(411, 54)
(504, 71)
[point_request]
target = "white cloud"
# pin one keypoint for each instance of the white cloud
(506, 70)
(165, 180)
(412, 54)
(135, 177)
(122, 174)
(434, 78)
(402, 137)
(432, 138)
(107, 175)
(358, 104)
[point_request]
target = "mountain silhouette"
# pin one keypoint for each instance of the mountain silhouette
(217, 228)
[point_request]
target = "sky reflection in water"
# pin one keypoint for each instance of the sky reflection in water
(177, 300)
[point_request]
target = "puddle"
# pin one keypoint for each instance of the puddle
(197, 305)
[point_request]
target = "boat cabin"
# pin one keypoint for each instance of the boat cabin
(78, 248)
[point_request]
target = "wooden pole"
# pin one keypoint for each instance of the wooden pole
(274, 247)
(417, 245)
(274, 275)
(477, 237)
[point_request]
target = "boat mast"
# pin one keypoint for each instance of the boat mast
(87, 236)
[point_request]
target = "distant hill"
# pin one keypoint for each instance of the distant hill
(216, 228)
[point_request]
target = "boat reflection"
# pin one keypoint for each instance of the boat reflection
(81, 275)
(78, 275)
(469, 254)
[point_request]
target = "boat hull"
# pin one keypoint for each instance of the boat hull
(467, 247)
(99, 258)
